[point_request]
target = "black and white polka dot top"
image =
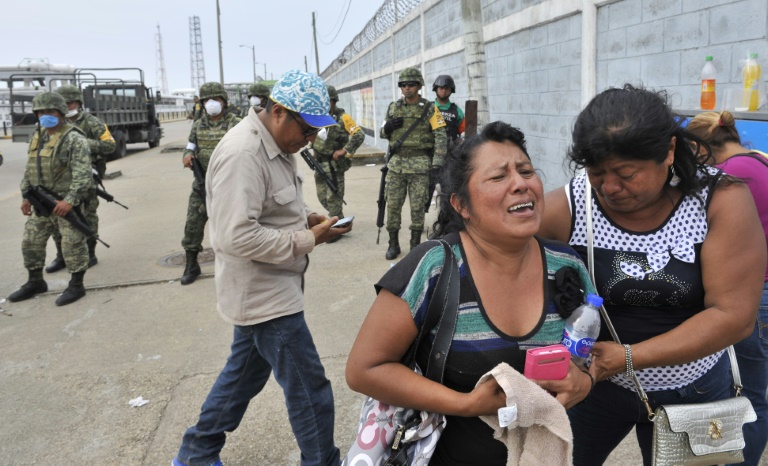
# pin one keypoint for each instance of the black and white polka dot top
(651, 281)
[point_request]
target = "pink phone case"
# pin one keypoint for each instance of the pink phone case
(547, 363)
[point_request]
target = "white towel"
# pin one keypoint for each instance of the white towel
(542, 433)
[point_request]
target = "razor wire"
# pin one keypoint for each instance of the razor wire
(390, 12)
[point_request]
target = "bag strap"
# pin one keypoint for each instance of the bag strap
(591, 265)
(442, 313)
(399, 142)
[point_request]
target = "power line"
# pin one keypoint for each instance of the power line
(338, 18)
(340, 27)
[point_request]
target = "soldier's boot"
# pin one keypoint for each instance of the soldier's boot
(192, 270)
(92, 259)
(394, 245)
(74, 291)
(415, 238)
(58, 262)
(35, 285)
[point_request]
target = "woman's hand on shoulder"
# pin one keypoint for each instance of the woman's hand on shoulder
(571, 390)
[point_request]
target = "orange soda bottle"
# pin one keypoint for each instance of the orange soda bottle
(708, 85)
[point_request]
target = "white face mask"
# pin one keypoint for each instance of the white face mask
(255, 100)
(213, 107)
(72, 113)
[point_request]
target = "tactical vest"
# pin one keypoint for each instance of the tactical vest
(451, 117)
(421, 137)
(336, 138)
(54, 167)
(209, 133)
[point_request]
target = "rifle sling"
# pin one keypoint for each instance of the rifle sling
(408, 132)
(39, 150)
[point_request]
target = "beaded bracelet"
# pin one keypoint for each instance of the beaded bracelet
(628, 356)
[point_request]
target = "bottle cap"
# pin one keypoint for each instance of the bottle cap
(709, 58)
(753, 55)
(594, 300)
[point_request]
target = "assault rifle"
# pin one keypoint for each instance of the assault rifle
(44, 201)
(102, 191)
(316, 167)
(382, 202)
(199, 171)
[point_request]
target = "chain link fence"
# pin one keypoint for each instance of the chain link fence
(386, 17)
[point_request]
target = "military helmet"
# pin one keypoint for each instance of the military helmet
(444, 81)
(49, 101)
(213, 89)
(70, 93)
(410, 74)
(259, 90)
(332, 93)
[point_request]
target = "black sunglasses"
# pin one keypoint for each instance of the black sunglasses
(305, 132)
(408, 84)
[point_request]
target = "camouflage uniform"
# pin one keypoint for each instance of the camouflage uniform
(65, 165)
(205, 134)
(101, 144)
(409, 167)
(347, 135)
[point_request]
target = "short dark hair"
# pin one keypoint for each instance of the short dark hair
(634, 123)
(458, 167)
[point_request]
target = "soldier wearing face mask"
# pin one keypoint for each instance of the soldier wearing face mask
(206, 133)
(59, 161)
(101, 144)
(257, 97)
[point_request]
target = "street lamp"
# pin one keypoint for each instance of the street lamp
(253, 50)
(265, 69)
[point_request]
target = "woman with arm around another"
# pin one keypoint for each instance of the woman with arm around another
(490, 209)
(679, 283)
(719, 131)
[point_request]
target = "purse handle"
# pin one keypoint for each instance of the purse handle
(590, 264)
(442, 312)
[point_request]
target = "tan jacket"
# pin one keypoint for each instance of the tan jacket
(258, 226)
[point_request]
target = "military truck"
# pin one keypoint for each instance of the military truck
(126, 106)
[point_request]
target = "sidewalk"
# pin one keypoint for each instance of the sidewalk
(67, 374)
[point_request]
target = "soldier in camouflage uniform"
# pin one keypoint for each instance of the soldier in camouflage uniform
(334, 153)
(205, 134)
(101, 144)
(418, 158)
(59, 160)
(257, 97)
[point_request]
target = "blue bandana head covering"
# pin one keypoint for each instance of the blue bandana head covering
(305, 94)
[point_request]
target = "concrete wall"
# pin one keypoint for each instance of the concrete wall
(546, 58)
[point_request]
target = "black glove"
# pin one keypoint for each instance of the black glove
(393, 124)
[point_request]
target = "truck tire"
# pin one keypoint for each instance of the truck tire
(120, 142)
(156, 140)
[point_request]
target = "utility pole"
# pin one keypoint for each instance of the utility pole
(221, 58)
(474, 57)
(314, 36)
(253, 49)
(305, 64)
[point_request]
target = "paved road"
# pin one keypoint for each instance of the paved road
(67, 374)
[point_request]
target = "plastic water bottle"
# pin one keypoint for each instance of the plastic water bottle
(582, 329)
(751, 77)
(708, 85)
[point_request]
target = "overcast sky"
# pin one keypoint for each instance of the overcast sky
(120, 33)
